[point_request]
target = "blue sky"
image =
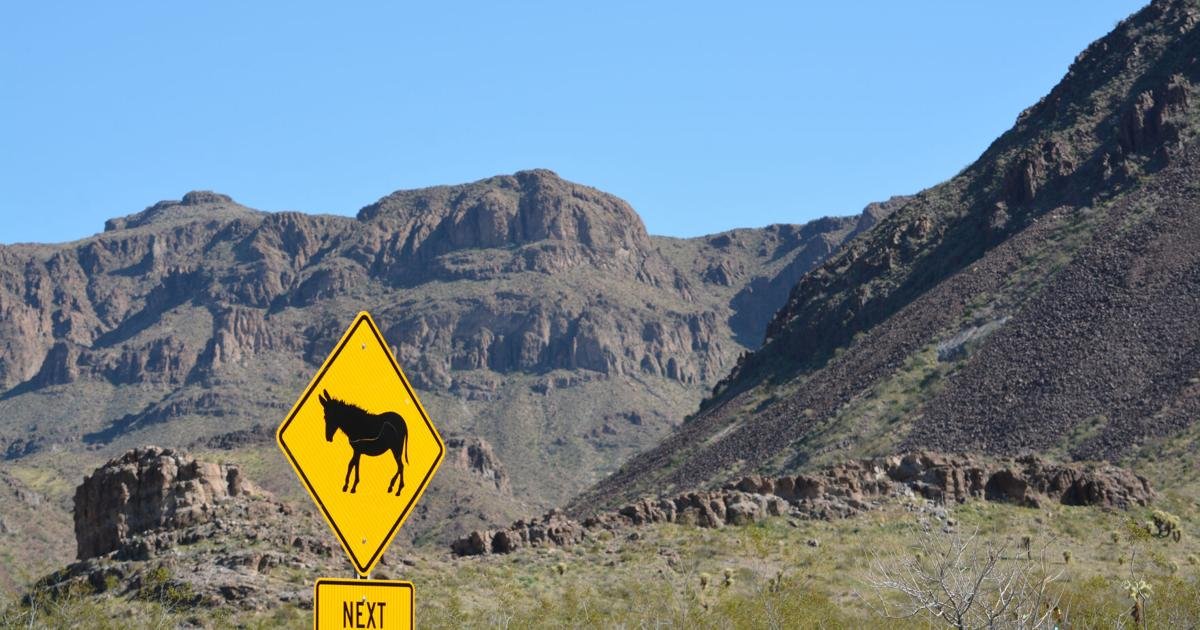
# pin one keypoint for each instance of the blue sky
(703, 116)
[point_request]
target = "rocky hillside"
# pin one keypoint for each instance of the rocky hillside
(170, 540)
(1044, 299)
(534, 314)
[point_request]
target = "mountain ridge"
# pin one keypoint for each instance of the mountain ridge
(198, 319)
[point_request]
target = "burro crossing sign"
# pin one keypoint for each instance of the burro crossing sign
(364, 448)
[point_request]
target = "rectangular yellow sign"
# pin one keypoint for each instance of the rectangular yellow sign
(377, 604)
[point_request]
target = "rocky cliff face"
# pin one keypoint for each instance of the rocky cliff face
(550, 224)
(96, 309)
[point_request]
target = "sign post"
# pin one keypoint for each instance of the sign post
(365, 450)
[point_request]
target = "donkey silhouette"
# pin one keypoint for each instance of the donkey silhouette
(369, 434)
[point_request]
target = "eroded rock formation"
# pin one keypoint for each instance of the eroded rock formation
(838, 492)
(475, 456)
(141, 521)
(150, 489)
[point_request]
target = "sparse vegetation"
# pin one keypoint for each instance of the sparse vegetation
(761, 575)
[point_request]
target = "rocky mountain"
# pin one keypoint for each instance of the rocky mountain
(1044, 299)
(541, 323)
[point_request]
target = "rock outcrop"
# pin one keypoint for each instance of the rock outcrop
(840, 491)
(147, 490)
(254, 436)
(1029, 481)
(142, 519)
(551, 529)
(475, 456)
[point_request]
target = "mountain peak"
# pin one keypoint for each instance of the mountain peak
(538, 173)
(194, 205)
(506, 210)
(204, 197)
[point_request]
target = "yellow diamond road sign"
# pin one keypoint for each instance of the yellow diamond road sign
(361, 443)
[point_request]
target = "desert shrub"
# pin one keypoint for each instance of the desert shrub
(75, 605)
(159, 586)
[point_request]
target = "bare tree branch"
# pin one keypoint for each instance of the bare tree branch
(965, 584)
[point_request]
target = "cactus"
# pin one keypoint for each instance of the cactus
(1167, 525)
(776, 583)
(1139, 592)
